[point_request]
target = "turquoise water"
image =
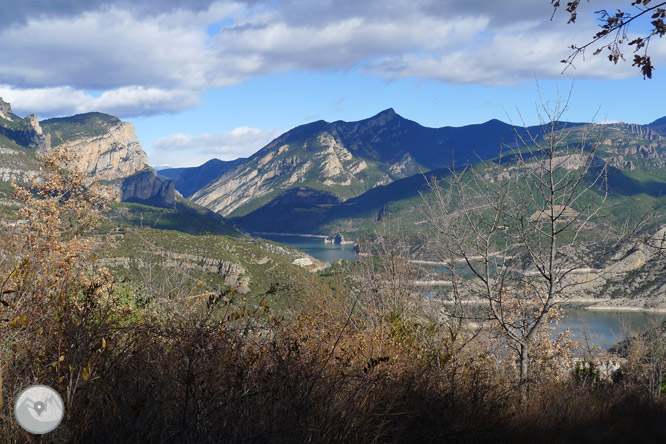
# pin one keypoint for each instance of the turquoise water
(315, 247)
(605, 328)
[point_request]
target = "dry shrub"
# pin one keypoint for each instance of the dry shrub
(214, 367)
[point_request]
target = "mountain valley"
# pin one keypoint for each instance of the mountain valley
(328, 178)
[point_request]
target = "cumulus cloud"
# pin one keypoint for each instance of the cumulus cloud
(502, 60)
(161, 58)
(137, 100)
(107, 49)
(191, 150)
(19, 12)
(123, 102)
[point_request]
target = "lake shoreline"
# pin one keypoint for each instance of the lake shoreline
(314, 245)
(603, 304)
(591, 304)
(626, 308)
(316, 236)
(260, 233)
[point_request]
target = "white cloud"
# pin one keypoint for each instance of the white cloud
(342, 44)
(192, 150)
(19, 12)
(122, 102)
(504, 59)
(48, 102)
(162, 58)
(137, 100)
(107, 49)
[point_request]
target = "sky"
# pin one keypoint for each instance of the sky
(205, 79)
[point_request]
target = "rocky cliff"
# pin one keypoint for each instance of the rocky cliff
(5, 109)
(287, 163)
(107, 148)
(21, 132)
(145, 187)
(114, 155)
(234, 275)
(19, 140)
(346, 159)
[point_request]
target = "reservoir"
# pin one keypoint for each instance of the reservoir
(603, 328)
(315, 247)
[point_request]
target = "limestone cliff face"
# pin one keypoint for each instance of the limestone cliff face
(5, 109)
(235, 275)
(116, 154)
(286, 163)
(109, 150)
(146, 187)
(23, 132)
(35, 135)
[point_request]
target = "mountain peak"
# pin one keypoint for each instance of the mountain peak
(387, 113)
(5, 108)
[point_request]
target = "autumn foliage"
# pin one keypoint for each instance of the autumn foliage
(215, 367)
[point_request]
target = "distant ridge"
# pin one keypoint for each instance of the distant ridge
(659, 122)
(190, 180)
(346, 159)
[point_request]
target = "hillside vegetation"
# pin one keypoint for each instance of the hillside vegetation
(150, 336)
(80, 126)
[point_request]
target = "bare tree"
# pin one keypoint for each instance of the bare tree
(385, 272)
(519, 233)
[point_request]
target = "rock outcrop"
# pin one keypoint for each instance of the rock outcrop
(17, 175)
(23, 132)
(116, 154)
(109, 150)
(288, 162)
(5, 109)
(234, 275)
(36, 136)
(146, 187)
(281, 166)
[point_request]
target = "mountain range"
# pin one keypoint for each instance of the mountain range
(325, 177)
(346, 159)
(318, 178)
(190, 180)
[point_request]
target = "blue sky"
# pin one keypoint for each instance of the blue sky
(203, 79)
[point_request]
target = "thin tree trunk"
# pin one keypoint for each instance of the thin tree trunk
(524, 366)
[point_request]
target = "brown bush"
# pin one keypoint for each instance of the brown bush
(216, 368)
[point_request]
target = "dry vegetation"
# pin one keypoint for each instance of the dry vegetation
(362, 364)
